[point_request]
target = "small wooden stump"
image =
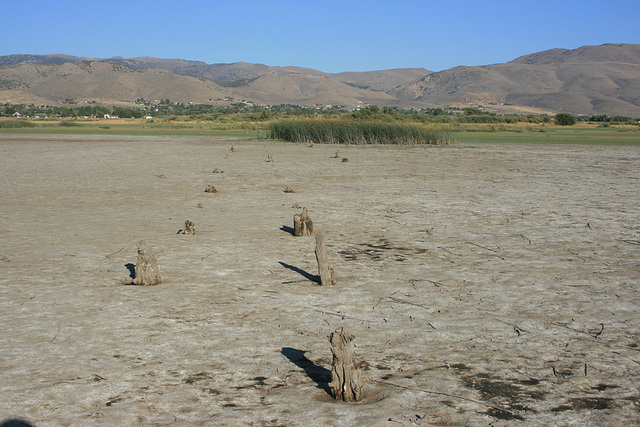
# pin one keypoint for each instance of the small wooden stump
(210, 189)
(345, 376)
(189, 228)
(147, 271)
(302, 224)
(324, 271)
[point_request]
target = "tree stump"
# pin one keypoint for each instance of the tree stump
(189, 228)
(147, 271)
(210, 189)
(345, 376)
(324, 271)
(302, 224)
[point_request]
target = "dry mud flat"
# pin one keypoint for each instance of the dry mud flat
(485, 284)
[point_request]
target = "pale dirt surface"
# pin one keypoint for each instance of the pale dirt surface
(485, 284)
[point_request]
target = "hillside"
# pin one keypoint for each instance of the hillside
(590, 80)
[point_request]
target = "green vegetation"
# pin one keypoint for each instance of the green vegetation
(565, 119)
(355, 132)
(580, 134)
(333, 124)
(16, 124)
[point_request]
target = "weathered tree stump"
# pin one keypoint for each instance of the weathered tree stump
(189, 228)
(210, 189)
(324, 271)
(147, 271)
(302, 224)
(345, 376)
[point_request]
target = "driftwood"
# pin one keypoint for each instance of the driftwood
(345, 376)
(210, 189)
(324, 271)
(189, 228)
(147, 271)
(302, 224)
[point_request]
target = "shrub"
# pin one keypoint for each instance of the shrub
(565, 119)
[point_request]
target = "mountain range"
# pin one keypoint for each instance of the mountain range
(589, 80)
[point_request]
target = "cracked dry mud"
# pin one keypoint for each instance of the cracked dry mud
(484, 283)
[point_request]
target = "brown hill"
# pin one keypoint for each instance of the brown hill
(380, 81)
(305, 89)
(106, 82)
(590, 80)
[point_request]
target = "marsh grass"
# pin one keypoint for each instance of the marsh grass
(355, 132)
(15, 124)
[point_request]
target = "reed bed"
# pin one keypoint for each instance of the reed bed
(15, 124)
(355, 132)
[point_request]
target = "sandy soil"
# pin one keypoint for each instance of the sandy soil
(485, 284)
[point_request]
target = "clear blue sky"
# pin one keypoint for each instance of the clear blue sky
(331, 36)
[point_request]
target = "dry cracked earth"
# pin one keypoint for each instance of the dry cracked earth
(485, 284)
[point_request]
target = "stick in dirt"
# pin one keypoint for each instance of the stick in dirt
(345, 376)
(324, 271)
(147, 271)
(302, 224)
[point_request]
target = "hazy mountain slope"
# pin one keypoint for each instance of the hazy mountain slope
(588, 80)
(380, 81)
(305, 89)
(104, 81)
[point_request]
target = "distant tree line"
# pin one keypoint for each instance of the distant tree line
(248, 112)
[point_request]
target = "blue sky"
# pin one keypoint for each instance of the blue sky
(330, 36)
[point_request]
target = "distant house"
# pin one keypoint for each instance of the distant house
(109, 116)
(18, 115)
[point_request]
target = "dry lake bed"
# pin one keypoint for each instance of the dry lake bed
(485, 284)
